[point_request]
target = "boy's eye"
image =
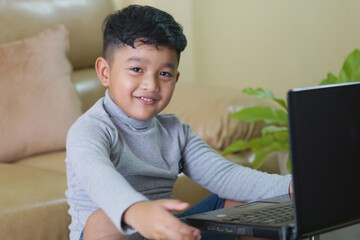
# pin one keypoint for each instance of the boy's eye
(136, 69)
(165, 74)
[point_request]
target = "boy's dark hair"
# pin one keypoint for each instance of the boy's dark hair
(146, 24)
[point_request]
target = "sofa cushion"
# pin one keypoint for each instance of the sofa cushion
(33, 204)
(20, 19)
(52, 161)
(208, 110)
(38, 101)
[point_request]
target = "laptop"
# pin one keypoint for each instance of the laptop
(324, 128)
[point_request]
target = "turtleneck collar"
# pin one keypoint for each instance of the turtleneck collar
(120, 117)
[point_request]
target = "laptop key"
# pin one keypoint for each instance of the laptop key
(271, 215)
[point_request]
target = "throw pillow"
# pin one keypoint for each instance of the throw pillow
(38, 101)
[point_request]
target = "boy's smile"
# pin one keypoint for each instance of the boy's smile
(140, 80)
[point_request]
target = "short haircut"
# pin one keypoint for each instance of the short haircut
(146, 24)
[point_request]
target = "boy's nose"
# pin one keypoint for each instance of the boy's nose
(150, 83)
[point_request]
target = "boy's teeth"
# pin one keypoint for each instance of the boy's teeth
(146, 99)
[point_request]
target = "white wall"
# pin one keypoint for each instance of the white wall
(278, 44)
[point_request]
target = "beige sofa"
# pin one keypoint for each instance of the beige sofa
(33, 176)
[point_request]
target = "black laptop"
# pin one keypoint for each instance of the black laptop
(324, 127)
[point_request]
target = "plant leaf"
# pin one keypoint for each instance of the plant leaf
(254, 144)
(272, 129)
(263, 93)
(331, 79)
(259, 159)
(267, 114)
(277, 146)
(288, 164)
(261, 155)
(282, 137)
(269, 143)
(259, 143)
(350, 71)
(237, 146)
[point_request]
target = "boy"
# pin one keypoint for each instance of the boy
(123, 157)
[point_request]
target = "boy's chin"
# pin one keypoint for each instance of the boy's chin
(143, 117)
(144, 114)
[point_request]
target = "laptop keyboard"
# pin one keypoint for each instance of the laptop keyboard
(269, 215)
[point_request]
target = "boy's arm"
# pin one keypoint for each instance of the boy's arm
(229, 180)
(88, 154)
(154, 220)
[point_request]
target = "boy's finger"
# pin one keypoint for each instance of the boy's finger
(183, 233)
(173, 204)
(182, 228)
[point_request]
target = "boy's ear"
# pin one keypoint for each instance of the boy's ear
(103, 70)
(177, 76)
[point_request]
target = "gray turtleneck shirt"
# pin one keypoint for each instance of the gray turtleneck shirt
(114, 161)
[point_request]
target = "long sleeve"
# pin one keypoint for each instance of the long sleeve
(227, 179)
(89, 156)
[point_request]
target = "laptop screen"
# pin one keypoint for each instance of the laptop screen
(324, 125)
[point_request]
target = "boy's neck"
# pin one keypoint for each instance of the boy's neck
(119, 116)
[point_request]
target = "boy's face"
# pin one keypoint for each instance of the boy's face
(140, 80)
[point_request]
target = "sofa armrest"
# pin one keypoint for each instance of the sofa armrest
(88, 87)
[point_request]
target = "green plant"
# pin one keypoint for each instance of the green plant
(350, 71)
(275, 135)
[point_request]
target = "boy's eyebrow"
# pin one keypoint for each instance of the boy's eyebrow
(137, 59)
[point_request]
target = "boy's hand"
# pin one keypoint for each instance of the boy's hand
(154, 220)
(291, 187)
